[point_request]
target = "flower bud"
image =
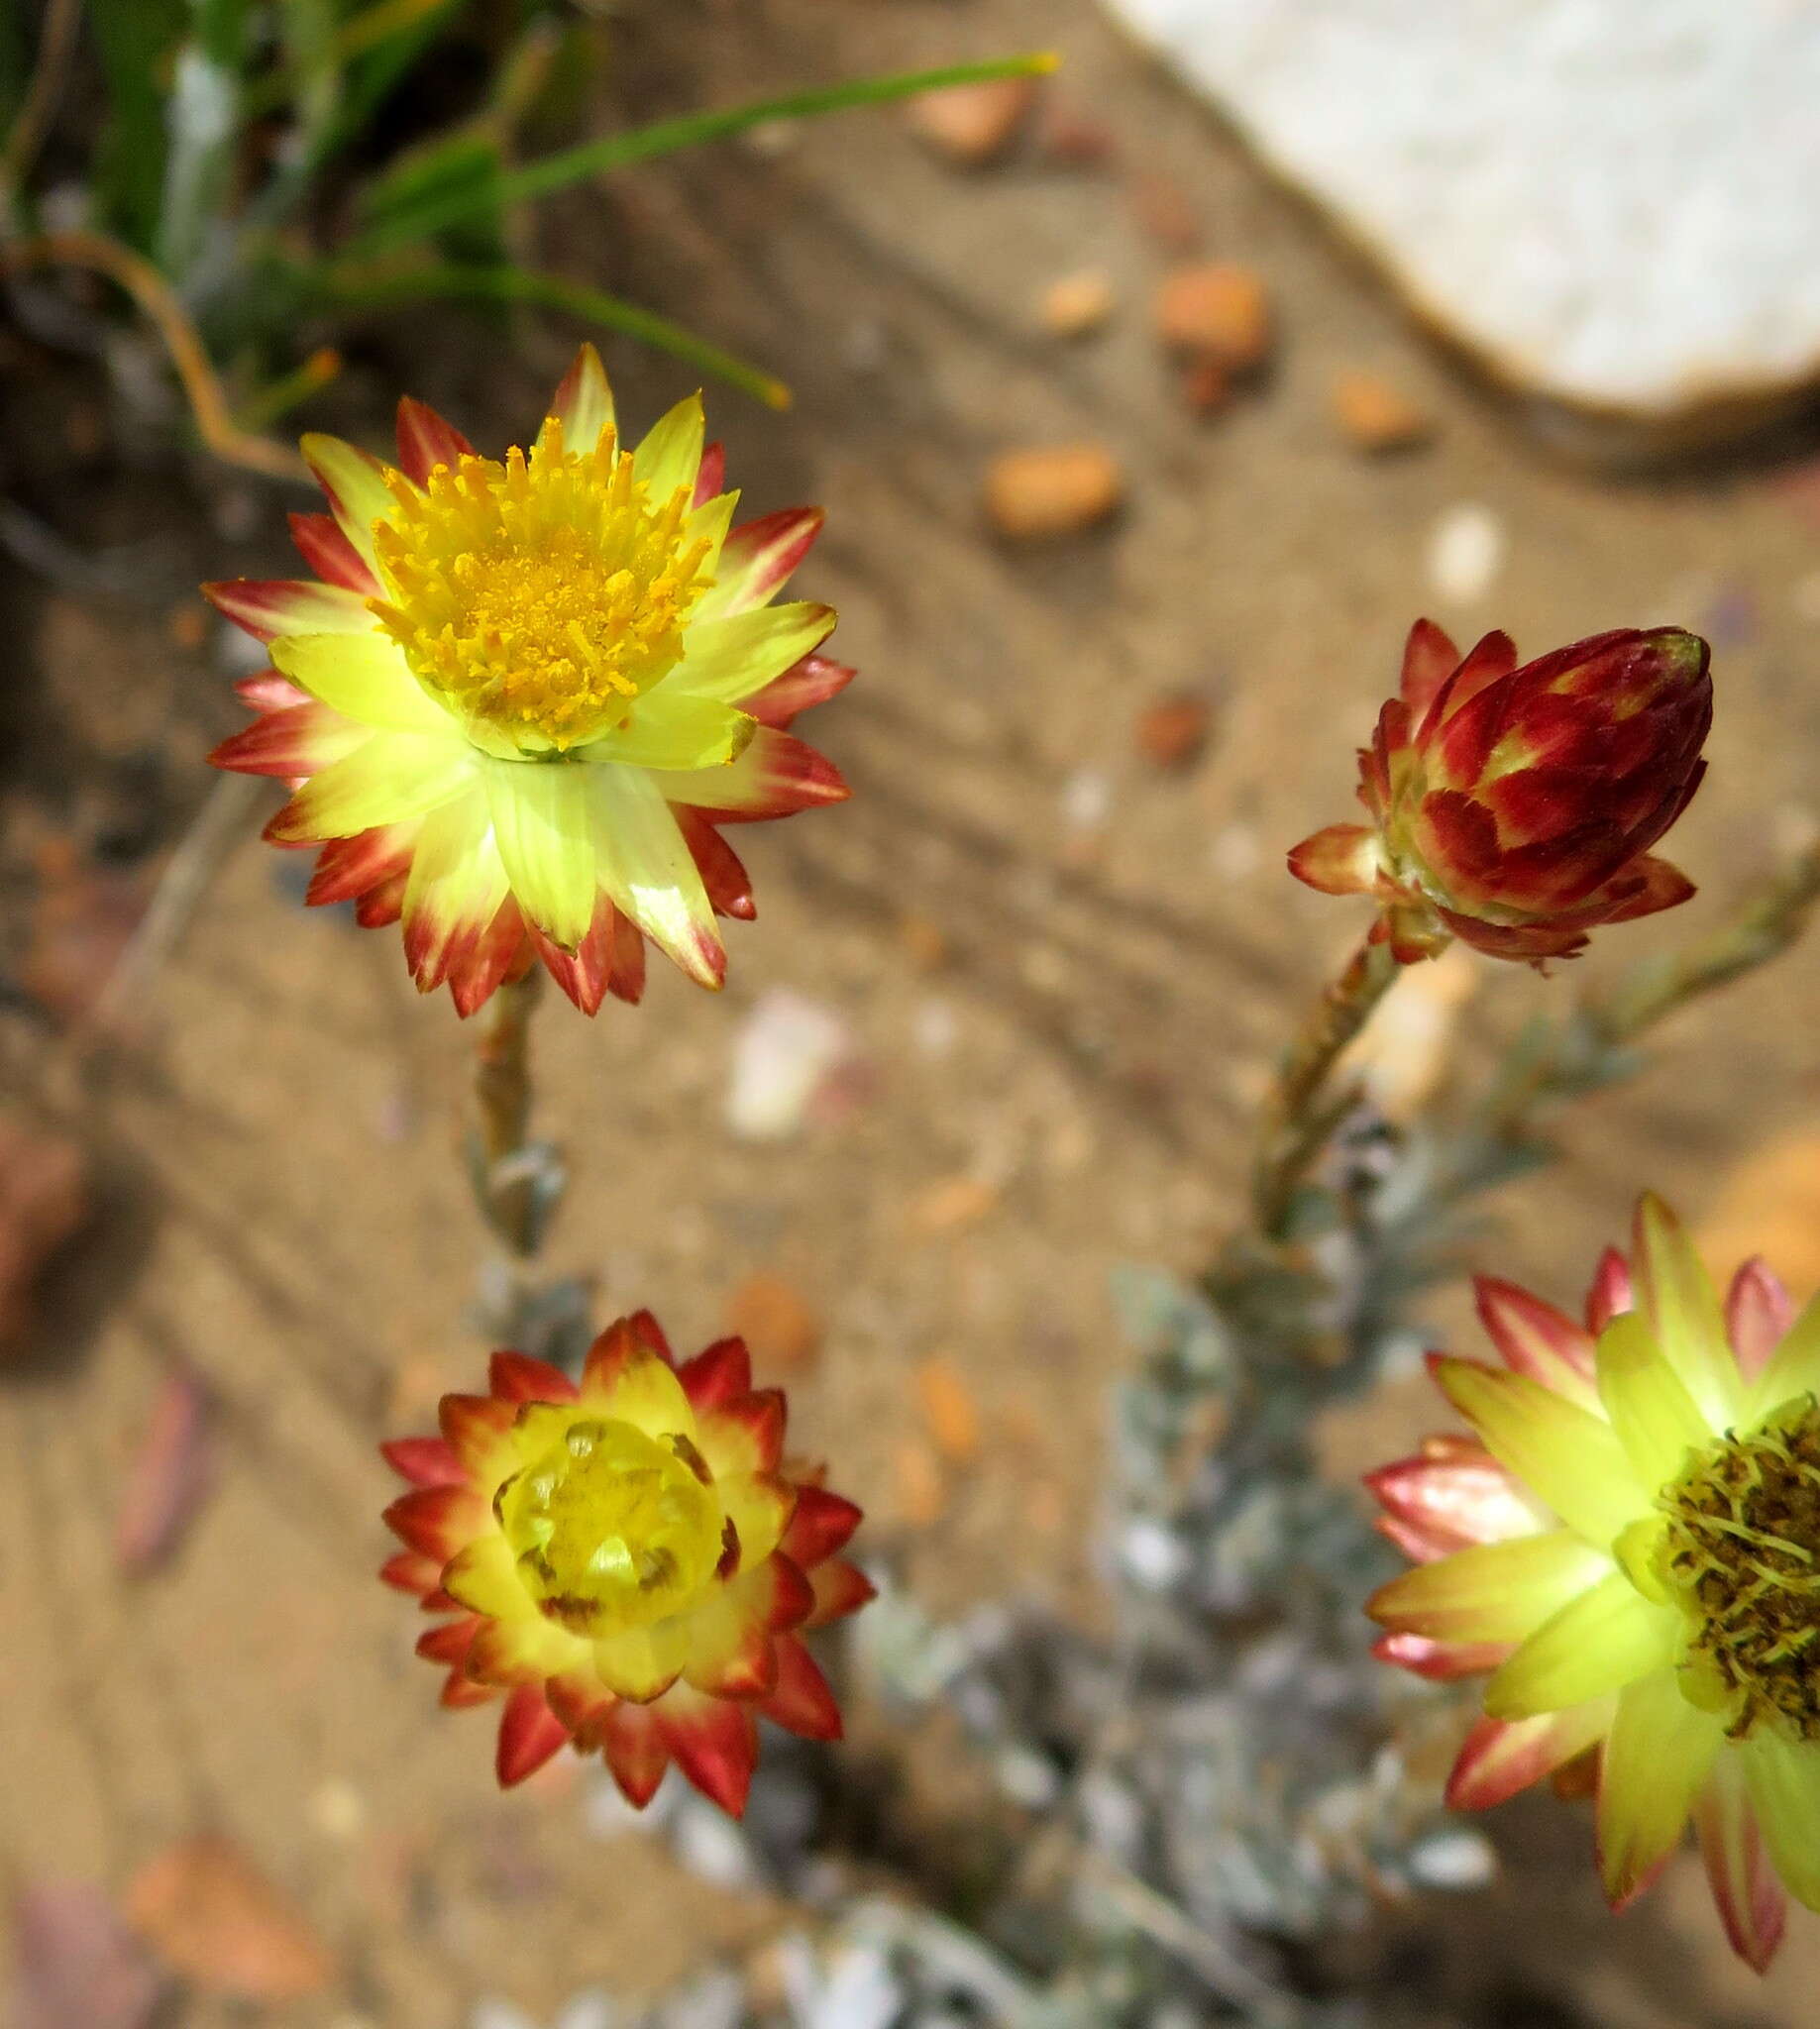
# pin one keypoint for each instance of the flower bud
(1514, 808)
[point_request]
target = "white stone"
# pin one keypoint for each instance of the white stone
(1610, 202)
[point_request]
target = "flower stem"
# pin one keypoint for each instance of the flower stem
(1295, 1124)
(503, 1183)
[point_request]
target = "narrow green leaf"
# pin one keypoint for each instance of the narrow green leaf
(136, 41)
(689, 130)
(444, 281)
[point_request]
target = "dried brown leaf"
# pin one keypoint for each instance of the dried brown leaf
(76, 1966)
(169, 1477)
(211, 1916)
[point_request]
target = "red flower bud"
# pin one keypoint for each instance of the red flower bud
(1515, 808)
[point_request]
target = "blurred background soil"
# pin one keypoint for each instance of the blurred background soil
(1054, 927)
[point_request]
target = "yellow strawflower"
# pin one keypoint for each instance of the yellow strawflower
(1630, 1546)
(526, 693)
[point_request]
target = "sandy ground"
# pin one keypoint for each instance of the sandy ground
(1073, 1014)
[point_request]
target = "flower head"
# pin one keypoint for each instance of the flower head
(626, 1561)
(525, 694)
(1630, 1545)
(1515, 808)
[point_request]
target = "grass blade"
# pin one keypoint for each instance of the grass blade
(687, 130)
(451, 281)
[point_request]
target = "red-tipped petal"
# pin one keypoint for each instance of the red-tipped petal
(633, 1744)
(758, 556)
(820, 1526)
(1341, 860)
(348, 867)
(427, 440)
(450, 1643)
(411, 1571)
(1611, 1294)
(291, 744)
(729, 885)
(750, 1424)
(1429, 658)
(715, 1745)
(1757, 1313)
(588, 974)
(811, 682)
(476, 966)
(267, 608)
(270, 691)
(460, 1693)
(774, 777)
(1536, 1340)
(612, 1351)
(1438, 1662)
(517, 1377)
(648, 1332)
(1447, 1504)
(331, 555)
(717, 1375)
(424, 1461)
(437, 1520)
(710, 474)
(529, 1734)
(1503, 1755)
(840, 1588)
(471, 1426)
(1487, 662)
(1751, 1899)
(800, 1700)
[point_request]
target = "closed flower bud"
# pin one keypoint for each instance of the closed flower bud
(1515, 808)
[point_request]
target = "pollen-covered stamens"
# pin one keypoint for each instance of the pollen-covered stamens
(539, 595)
(609, 1528)
(1742, 1550)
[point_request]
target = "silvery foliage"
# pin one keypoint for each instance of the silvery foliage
(1232, 1770)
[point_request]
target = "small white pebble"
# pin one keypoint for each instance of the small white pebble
(1466, 549)
(1087, 800)
(935, 1029)
(1235, 852)
(337, 1809)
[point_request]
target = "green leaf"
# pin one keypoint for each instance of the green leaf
(460, 173)
(350, 290)
(689, 130)
(204, 119)
(136, 41)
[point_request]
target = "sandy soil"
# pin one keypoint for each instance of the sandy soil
(1074, 1016)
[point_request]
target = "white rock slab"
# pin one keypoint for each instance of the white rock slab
(1615, 204)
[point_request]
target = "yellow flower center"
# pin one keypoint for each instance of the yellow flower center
(610, 1528)
(1742, 1550)
(539, 597)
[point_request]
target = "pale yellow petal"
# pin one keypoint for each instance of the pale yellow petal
(731, 659)
(1569, 1458)
(1794, 1369)
(671, 454)
(1493, 1592)
(1676, 1295)
(648, 870)
(365, 676)
(545, 837)
(355, 482)
(645, 1393)
(1657, 1760)
(1657, 1421)
(484, 1578)
(671, 730)
(583, 403)
(1606, 1638)
(390, 778)
(1783, 1777)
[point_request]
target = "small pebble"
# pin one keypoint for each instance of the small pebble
(1373, 416)
(777, 1321)
(949, 1408)
(1172, 733)
(973, 124)
(1215, 310)
(1052, 490)
(1467, 548)
(1077, 304)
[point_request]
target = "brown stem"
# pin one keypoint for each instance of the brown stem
(1294, 1124)
(502, 1102)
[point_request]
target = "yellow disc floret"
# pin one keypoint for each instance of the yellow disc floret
(539, 597)
(1742, 1550)
(611, 1529)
